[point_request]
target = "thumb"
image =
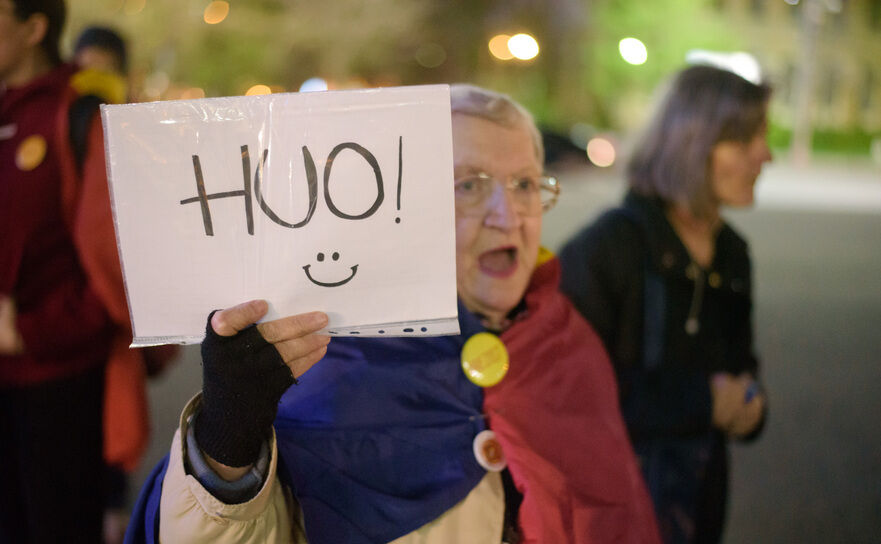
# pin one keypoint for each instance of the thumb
(232, 320)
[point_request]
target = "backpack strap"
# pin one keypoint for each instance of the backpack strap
(80, 116)
(94, 87)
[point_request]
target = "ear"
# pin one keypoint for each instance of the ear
(37, 26)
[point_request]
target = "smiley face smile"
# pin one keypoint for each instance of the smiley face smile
(335, 257)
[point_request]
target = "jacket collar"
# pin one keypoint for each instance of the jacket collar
(666, 251)
(10, 96)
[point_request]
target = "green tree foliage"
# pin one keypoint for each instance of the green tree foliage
(266, 41)
(578, 76)
(668, 28)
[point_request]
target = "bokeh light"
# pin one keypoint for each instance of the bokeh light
(255, 90)
(498, 47)
(633, 51)
(746, 66)
(216, 12)
(313, 84)
(193, 93)
(156, 84)
(742, 64)
(523, 46)
(835, 6)
(601, 152)
(430, 55)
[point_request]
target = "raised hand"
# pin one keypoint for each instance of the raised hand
(245, 370)
(294, 337)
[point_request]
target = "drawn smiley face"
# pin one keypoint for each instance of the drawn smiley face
(320, 258)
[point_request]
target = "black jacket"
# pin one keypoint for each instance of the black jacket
(663, 369)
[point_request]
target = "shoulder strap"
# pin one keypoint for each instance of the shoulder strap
(80, 116)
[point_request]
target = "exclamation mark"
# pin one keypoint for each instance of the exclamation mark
(400, 164)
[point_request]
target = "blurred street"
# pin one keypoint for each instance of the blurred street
(815, 236)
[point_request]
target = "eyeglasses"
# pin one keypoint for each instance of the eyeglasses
(531, 195)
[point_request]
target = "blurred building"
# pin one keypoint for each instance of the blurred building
(826, 69)
(843, 39)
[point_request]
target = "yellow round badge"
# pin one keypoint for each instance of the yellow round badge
(485, 359)
(31, 152)
(715, 280)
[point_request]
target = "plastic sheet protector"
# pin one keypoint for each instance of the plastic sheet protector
(338, 201)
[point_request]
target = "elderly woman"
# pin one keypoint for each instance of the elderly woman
(387, 439)
(666, 282)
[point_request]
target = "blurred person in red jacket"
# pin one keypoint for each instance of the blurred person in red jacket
(63, 312)
(101, 54)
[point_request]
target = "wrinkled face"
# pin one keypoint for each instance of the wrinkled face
(734, 167)
(496, 251)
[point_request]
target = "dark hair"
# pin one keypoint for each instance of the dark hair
(106, 39)
(704, 106)
(55, 12)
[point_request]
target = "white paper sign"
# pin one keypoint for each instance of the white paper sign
(334, 201)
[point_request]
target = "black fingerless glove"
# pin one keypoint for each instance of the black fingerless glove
(243, 378)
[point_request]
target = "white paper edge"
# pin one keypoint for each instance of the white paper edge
(434, 327)
(107, 166)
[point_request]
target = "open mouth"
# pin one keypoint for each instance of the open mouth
(499, 263)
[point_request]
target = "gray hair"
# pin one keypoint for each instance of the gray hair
(704, 106)
(495, 107)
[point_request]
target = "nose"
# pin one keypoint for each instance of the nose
(501, 212)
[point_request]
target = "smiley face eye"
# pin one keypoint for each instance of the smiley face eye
(320, 257)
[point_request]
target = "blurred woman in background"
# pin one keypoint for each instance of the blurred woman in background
(667, 284)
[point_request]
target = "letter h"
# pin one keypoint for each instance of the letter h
(203, 197)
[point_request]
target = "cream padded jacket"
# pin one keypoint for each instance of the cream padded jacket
(190, 514)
